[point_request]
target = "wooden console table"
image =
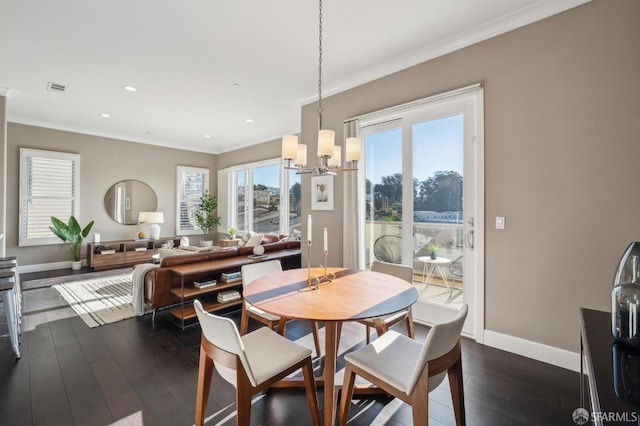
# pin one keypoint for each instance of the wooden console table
(115, 253)
(187, 292)
(597, 355)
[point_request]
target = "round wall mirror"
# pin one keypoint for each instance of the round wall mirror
(127, 198)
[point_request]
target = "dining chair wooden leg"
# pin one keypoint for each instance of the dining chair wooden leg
(316, 337)
(409, 321)
(420, 401)
(346, 395)
(282, 326)
(457, 392)
(311, 391)
(205, 373)
(244, 322)
(368, 334)
(244, 392)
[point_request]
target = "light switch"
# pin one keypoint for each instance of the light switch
(500, 222)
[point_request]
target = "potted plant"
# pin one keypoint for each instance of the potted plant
(205, 217)
(433, 249)
(232, 232)
(73, 235)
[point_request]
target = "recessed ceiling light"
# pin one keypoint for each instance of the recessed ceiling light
(236, 84)
(248, 120)
(103, 115)
(129, 88)
(207, 136)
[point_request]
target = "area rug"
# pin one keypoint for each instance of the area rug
(99, 301)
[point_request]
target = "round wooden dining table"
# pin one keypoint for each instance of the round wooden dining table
(351, 296)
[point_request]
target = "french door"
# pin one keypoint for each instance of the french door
(422, 201)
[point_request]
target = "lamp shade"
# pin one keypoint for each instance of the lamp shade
(301, 155)
(289, 147)
(142, 217)
(155, 217)
(353, 149)
(336, 158)
(326, 140)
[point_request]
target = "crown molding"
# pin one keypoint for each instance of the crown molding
(533, 13)
(8, 93)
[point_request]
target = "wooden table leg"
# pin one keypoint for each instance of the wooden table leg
(330, 350)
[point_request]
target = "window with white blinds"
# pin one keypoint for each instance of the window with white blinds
(49, 186)
(192, 182)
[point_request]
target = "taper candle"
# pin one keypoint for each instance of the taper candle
(326, 241)
(309, 229)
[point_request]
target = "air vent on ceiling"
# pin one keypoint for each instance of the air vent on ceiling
(56, 87)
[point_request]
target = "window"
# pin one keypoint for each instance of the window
(49, 186)
(262, 197)
(192, 182)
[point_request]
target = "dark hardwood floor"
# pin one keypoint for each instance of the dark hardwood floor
(136, 372)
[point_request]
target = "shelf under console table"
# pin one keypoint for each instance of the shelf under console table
(114, 253)
(187, 292)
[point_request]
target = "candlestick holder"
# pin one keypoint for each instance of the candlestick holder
(314, 281)
(330, 276)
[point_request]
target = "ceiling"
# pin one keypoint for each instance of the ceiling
(206, 67)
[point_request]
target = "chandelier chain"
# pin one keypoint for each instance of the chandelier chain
(320, 110)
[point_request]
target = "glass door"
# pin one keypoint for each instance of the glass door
(437, 219)
(420, 202)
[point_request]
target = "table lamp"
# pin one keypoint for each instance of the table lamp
(153, 219)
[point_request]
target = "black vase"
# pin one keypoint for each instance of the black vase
(626, 373)
(625, 298)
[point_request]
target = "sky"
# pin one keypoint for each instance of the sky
(437, 146)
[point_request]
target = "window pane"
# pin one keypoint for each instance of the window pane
(192, 182)
(241, 184)
(383, 195)
(295, 202)
(266, 199)
(437, 203)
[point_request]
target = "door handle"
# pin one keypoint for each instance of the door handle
(469, 239)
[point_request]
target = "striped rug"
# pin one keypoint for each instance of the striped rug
(99, 301)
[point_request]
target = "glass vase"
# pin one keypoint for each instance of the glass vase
(625, 298)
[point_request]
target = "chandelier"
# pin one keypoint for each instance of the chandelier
(329, 154)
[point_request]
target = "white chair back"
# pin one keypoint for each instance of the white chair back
(223, 333)
(253, 271)
(403, 272)
(441, 339)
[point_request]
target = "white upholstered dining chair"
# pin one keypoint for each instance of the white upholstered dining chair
(251, 363)
(251, 272)
(382, 324)
(409, 370)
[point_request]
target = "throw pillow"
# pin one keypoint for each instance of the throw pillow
(243, 241)
(255, 240)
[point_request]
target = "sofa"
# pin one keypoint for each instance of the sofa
(159, 281)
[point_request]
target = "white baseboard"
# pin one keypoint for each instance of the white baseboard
(538, 351)
(24, 269)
